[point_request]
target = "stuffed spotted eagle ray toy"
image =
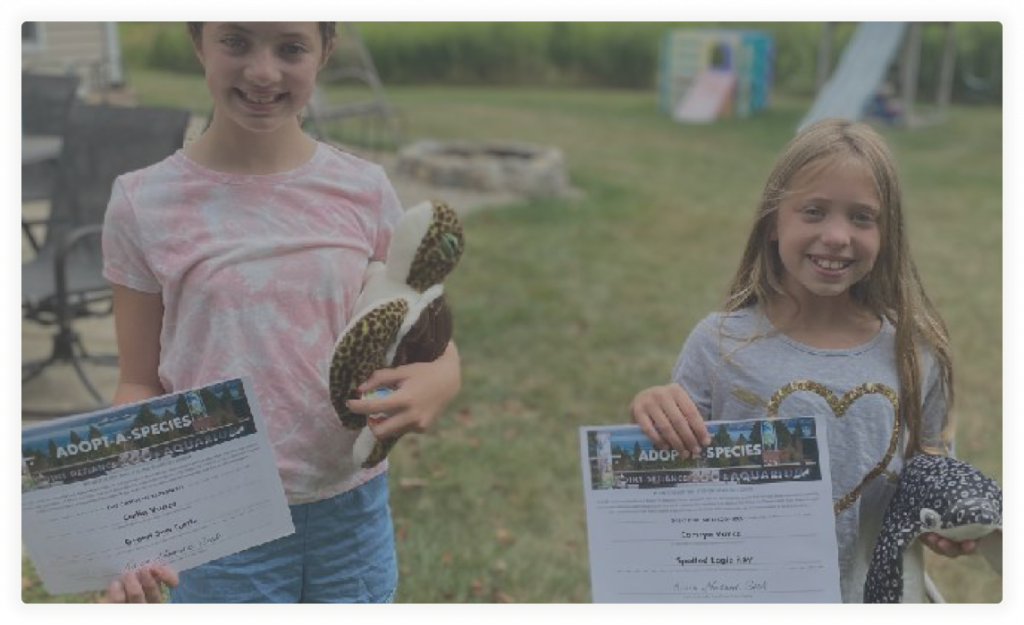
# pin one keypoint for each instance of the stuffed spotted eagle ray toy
(400, 316)
(934, 494)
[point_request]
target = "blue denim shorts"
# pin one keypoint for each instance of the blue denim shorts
(342, 551)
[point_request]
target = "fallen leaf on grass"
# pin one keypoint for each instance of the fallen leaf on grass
(501, 597)
(409, 483)
(446, 557)
(504, 536)
(401, 532)
(476, 587)
(512, 407)
(499, 566)
(464, 416)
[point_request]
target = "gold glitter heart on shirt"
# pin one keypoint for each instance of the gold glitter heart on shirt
(839, 406)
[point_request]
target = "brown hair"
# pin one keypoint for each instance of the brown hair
(328, 32)
(892, 289)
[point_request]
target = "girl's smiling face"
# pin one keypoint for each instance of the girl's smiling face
(261, 74)
(827, 228)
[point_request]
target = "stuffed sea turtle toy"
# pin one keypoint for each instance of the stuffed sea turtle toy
(400, 317)
(934, 494)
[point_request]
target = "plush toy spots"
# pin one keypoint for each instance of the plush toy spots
(934, 494)
(361, 351)
(438, 252)
(401, 315)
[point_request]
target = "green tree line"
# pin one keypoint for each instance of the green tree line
(594, 54)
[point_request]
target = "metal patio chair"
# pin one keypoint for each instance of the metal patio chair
(64, 282)
(45, 102)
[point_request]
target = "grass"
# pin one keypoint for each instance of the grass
(564, 309)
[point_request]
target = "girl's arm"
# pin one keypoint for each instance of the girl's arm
(422, 390)
(934, 416)
(138, 318)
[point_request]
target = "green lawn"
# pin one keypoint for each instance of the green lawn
(564, 309)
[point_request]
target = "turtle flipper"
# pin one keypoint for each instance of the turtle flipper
(362, 350)
(368, 451)
(439, 250)
(379, 452)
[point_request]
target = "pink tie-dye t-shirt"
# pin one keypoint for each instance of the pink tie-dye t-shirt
(258, 275)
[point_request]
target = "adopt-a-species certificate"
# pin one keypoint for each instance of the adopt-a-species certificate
(180, 479)
(749, 520)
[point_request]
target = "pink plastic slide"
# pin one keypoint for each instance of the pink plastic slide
(708, 97)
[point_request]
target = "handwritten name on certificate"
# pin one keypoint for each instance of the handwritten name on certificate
(750, 520)
(180, 479)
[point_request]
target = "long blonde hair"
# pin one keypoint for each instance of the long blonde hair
(892, 289)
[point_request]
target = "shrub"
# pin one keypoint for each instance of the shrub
(591, 53)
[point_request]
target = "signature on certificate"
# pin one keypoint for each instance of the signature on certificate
(170, 555)
(715, 585)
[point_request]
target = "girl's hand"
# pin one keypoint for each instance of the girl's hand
(669, 418)
(949, 548)
(421, 392)
(142, 585)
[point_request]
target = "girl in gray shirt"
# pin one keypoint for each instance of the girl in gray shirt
(826, 315)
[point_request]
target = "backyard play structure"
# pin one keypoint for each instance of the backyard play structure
(351, 64)
(862, 76)
(708, 74)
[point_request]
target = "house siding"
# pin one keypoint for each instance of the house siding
(63, 47)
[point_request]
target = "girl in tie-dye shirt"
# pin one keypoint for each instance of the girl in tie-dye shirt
(243, 254)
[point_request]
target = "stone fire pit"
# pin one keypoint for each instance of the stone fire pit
(517, 168)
